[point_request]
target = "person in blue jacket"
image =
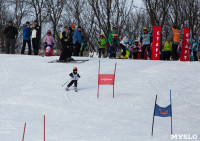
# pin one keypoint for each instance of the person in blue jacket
(78, 40)
(26, 38)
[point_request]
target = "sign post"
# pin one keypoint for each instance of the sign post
(185, 45)
(162, 112)
(106, 79)
(156, 43)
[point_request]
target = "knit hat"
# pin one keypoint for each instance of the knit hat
(27, 22)
(72, 26)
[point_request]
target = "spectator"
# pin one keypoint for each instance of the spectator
(48, 43)
(64, 37)
(175, 39)
(78, 40)
(26, 38)
(130, 48)
(146, 40)
(83, 46)
(123, 44)
(36, 33)
(71, 40)
(10, 32)
(114, 45)
(191, 51)
(136, 49)
(102, 44)
(195, 49)
(167, 50)
(111, 37)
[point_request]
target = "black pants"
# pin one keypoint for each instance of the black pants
(144, 47)
(135, 54)
(35, 43)
(10, 43)
(167, 55)
(174, 52)
(65, 53)
(72, 82)
(113, 51)
(101, 51)
(124, 50)
(195, 56)
(71, 50)
(24, 45)
(77, 49)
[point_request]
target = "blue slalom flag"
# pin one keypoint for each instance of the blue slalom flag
(163, 112)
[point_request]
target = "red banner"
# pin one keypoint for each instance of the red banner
(106, 79)
(155, 49)
(185, 45)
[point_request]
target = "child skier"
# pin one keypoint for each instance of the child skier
(114, 45)
(195, 49)
(75, 76)
(136, 49)
(102, 44)
(191, 51)
(48, 44)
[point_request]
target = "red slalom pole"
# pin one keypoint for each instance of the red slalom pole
(44, 127)
(24, 131)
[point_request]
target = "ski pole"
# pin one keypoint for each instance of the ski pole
(66, 82)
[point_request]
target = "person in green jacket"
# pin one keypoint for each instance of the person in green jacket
(110, 37)
(167, 50)
(102, 44)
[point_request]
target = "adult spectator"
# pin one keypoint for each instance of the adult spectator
(71, 40)
(146, 40)
(110, 38)
(84, 46)
(26, 38)
(78, 40)
(10, 32)
(175, 39)
(167, 50)
(36, 34)
(64, 37)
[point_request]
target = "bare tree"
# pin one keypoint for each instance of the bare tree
(54, 11)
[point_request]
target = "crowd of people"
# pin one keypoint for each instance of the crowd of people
(74, 43)
(141, 49)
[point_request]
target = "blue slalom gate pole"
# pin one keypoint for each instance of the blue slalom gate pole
(153, 117)
(171, 111)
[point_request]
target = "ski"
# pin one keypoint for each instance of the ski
(71, 61)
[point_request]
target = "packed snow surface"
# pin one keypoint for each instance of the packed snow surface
(31, 87)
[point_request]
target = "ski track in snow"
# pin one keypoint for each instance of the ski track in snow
(31, 87)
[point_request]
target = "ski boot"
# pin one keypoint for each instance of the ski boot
(75, 88)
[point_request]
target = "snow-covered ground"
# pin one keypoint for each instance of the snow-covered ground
(31, 87)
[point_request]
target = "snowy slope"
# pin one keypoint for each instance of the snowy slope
(31, 87)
